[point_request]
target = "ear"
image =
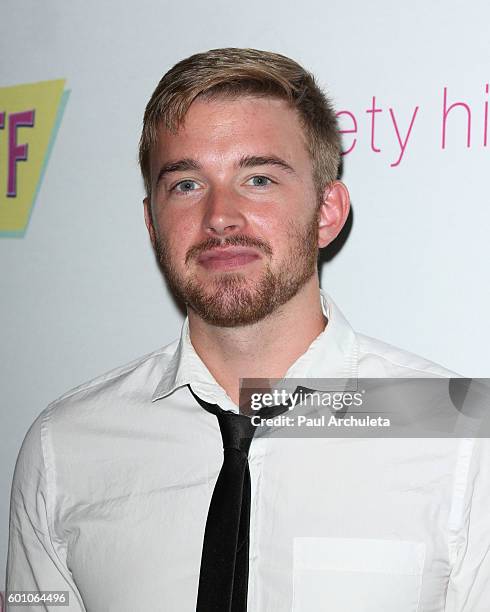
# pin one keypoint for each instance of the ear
(333, 212)
(149, 220)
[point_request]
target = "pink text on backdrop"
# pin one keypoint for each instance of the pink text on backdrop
(403, 128)
(16, 152)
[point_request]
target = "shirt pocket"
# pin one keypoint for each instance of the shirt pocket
(357, 575)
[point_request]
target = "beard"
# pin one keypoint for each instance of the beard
(232, 299)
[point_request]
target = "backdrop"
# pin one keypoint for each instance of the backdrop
(80, 291)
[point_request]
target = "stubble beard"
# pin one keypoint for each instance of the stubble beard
(231, 299)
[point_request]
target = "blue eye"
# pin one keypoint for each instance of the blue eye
(260, 181)
(185, 186)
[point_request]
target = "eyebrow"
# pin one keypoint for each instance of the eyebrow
(250, 161)
(247, 161)
(182, 165)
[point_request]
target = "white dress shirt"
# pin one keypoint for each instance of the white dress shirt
(113, 483)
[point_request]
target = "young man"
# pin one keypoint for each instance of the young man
(113, 497)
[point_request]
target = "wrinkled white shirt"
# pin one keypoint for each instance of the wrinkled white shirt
(113, 483)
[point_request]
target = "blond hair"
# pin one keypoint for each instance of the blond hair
(234, 72)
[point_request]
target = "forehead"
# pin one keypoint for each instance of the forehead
(226, 127)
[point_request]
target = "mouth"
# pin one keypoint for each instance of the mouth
(227, 258)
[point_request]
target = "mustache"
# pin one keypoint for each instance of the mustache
(238, 240)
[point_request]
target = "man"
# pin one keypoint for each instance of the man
(113, 498)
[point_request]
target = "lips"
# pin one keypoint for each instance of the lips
(228, 257)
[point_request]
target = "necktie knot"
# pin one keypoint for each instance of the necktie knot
(236, 431)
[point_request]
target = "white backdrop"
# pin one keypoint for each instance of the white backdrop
(80, 291)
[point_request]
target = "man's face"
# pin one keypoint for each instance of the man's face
(234, 211)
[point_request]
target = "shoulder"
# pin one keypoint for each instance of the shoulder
(78, 418)
(137, 372)
(380, 359)
(105, 395)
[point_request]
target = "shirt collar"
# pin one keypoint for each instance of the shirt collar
(333, 354)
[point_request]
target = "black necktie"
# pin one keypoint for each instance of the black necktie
(223, 578)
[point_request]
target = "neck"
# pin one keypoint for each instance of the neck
(265, 349)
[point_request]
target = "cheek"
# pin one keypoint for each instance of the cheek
(178, 235)
(275, 231)
(267, 224)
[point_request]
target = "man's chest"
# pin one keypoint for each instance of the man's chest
(335, 524)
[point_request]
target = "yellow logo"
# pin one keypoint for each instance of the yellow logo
(29, 119)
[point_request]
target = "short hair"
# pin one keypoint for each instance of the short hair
(234, 72)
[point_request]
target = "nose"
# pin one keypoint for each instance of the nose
(223, 214)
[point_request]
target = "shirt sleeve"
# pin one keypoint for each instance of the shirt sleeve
(469, 581)
(36, 559)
